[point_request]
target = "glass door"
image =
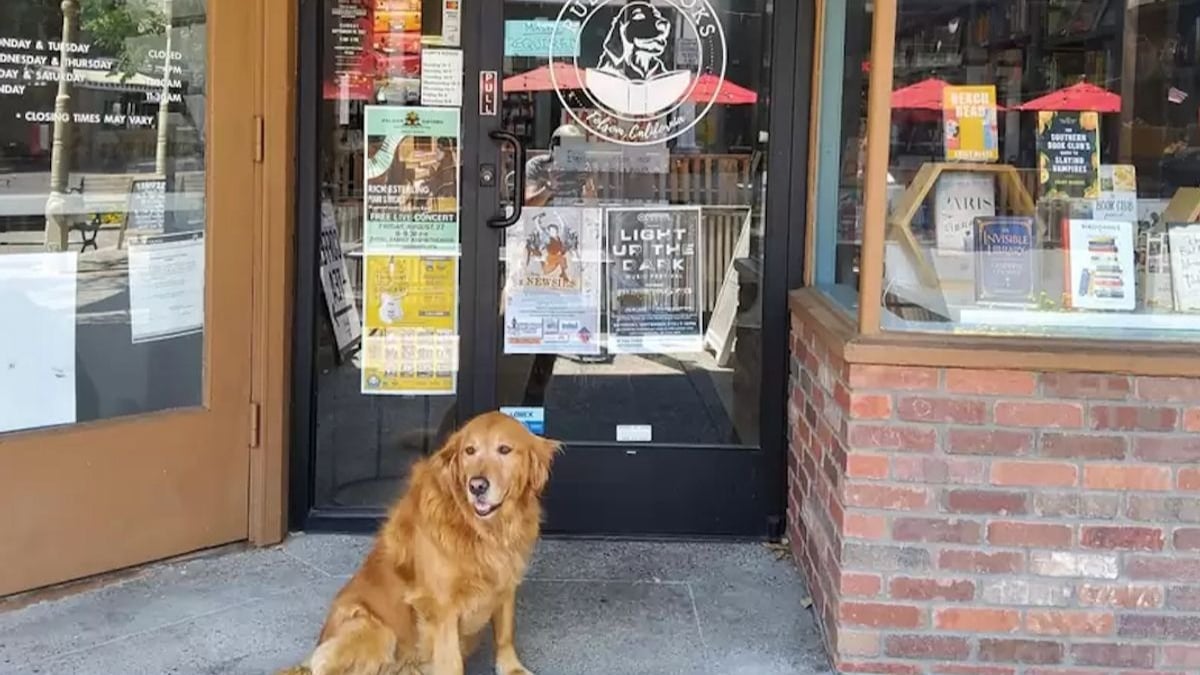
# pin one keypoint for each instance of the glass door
(623, 237)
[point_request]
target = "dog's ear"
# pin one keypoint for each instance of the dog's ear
(445, 460)
(541, 455)
(615, 45)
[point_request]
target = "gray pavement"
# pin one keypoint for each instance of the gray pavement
(587, 607)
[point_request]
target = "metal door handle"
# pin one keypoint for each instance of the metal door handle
(519, 179)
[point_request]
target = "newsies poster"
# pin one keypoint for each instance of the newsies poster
(412, 180)
(654, 290)
(1068, 146)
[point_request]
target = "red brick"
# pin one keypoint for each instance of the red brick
(938, 530)
(1086, 386)
(880, 667)
(1020, 651)
(923, 469)
(960, 669)
(1187, 539)
(1125, 477)
(859, 465)
(870, 406)
(1168, 569)
(980, 562)
(1123, 596)
(1039, 414)
(1034, 535)
(891, 437)
(988, 442)
(1083, 446)
(1063, 622)
(858, 643)
(879, 615)
(864, 526)
(905, 588)
(1122, 538)
(926, 647)
(1185, 389)
(991, 382)
(885, 496)
(1113, 655)
(1189, 479)
(977, 620)
(860, 585)
(1159, 626)
(1133, 418)
(1181, 449)
(1183, 656)
(986, 501)
(1034, 474)
(952, 410)
(892, 377)
(1191, 419)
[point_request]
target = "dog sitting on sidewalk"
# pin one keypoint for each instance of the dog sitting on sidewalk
(447, 561)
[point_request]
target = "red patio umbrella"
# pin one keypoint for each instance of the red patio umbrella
(1080, 97)
(924, 95)
(727, 91)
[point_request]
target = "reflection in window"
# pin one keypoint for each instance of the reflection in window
(1046, 156)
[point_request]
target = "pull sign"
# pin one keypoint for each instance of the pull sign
(489, 86)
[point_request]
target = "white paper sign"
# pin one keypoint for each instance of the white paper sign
(1101, 271)
(441, 77)
(166, 286)
(335, 283)
(37, 344)
(1184, 244)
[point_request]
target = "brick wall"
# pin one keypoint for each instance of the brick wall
(992, 522)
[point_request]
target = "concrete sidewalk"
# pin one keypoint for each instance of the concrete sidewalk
(616, 608)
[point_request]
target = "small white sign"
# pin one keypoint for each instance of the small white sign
(634, 433)
(166, 286)
(441, 77)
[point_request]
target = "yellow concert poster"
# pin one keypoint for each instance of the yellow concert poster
(410, 363)
(410, 292)
(969, 123)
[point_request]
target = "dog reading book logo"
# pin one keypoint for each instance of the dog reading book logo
(639, 64)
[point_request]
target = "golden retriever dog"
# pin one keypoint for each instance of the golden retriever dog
(447, 561)
(635, 42)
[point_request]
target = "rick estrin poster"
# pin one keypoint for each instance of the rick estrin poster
(654, 290)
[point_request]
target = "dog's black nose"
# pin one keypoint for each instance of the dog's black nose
(478, 485)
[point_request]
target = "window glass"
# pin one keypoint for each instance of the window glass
(1049, 158)
(841, 148)
(102, 230)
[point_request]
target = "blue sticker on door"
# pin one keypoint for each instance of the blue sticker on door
(534, 419)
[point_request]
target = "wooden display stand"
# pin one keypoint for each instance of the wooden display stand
(900, 217)
(1184, 206)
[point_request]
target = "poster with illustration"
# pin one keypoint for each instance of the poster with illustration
(410, 363)
(349, 57)
(1100, 272)
(410, 292)
(969, 123)
(654, 285)
(552, 293)
(1068, 145)
(412, 180)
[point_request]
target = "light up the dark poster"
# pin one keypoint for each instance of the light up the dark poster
(654, 290)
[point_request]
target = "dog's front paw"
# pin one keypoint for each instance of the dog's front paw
(512, 670)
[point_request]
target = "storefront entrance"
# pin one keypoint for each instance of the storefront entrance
(623, 264)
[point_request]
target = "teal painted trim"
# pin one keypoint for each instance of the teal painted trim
(829, 140)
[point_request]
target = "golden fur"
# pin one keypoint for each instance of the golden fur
(446, 562)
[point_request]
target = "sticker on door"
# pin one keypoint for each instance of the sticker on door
(634, 433)
(534, 419)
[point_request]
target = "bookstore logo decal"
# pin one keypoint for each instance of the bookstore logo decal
(637, 64)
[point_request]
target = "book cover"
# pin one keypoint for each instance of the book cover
(959, 198)
(1068, 146)
(1006, 269)
(1183, 241)
(1100, 272)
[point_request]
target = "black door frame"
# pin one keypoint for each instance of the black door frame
(589, 495)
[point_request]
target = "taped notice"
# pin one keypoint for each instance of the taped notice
(635, 433)
(534, 419)
(442, 77)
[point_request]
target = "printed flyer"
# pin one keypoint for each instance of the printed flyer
(552, 295)
(1100, 270)
(349, 59)
(410, 292)
(409, 363)
(1068, 145)
(412, 176)
(969, 122)
(654, 285)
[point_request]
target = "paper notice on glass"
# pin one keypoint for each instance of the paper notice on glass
(1183, 240)
(655, 293)
(335, 284)
(409, 363)
(412, 180)
(451, 23)
(166, 286)
(410, 292)
(552, 294)
(37, 346)
(442, 77)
